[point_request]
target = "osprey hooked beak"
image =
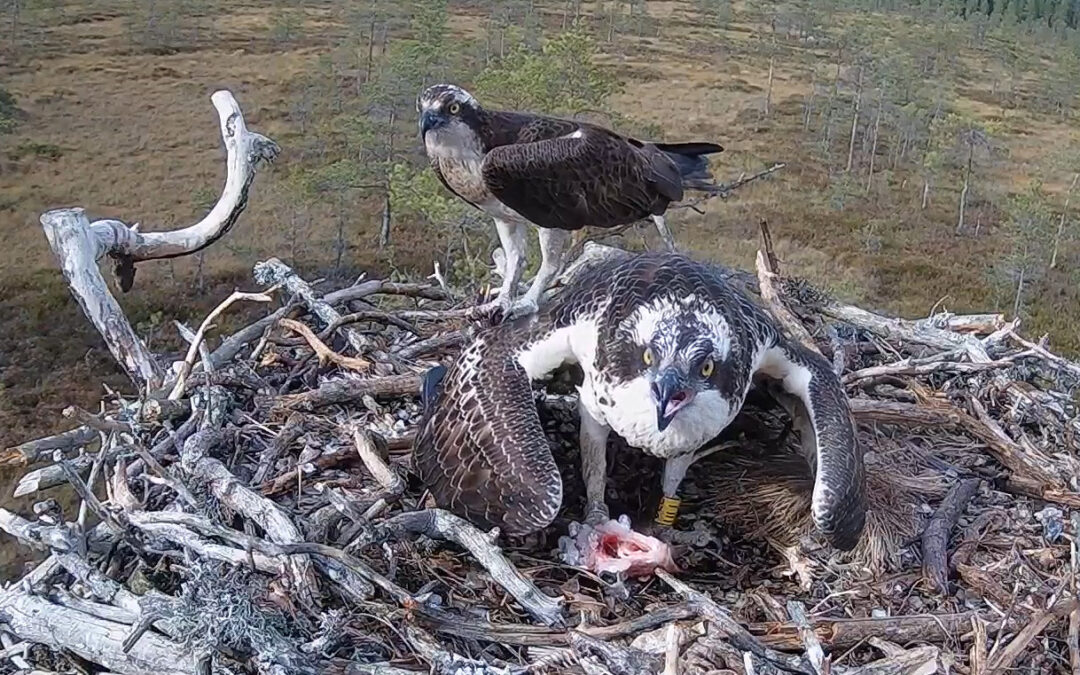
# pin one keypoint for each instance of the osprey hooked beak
(671, 395)
(429, 119)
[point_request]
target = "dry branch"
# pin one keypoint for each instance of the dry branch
(197, 462)
(935, 538)
(346, 390)
(768, 275)
(35, 619)
(34, 451)
(79, 244)
(274, 272)
(324, 353)
(440, 524)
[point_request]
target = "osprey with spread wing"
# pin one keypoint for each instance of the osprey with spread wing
(669, 350)
(555, 174)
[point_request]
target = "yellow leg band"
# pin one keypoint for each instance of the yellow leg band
(669, 508)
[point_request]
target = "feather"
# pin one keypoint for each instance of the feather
(481, 449)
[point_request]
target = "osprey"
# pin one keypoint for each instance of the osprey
(558, 175)
(669, 350)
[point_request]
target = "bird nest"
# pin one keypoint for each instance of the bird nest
(260, 514)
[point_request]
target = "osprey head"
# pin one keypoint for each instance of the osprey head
(447, 110)
(681, 350)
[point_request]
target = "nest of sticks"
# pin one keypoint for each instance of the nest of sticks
(262, 517)
(248, 507)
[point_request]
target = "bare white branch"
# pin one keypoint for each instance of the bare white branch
(79, 244)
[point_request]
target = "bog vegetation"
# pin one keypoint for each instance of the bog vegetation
(931, 147)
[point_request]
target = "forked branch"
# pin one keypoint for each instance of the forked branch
(79, 244)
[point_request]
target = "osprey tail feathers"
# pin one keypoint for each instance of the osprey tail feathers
(691, 161)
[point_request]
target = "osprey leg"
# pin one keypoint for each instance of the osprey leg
(512, 239)
(675, 469)
(593, 441)
(553, 247)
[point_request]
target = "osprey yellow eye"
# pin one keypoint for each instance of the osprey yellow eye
(707, 368)
(455, 108)
(647, 357)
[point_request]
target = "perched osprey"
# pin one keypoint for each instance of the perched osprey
(558, 175)
(668, 349)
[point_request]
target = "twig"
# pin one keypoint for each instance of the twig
(1074, 616)
(376, 465)
(1038, 623)
(432, 344)
(723, 190)
(95, 422)
(330, 460)
(344, 390)
(88, 497)
(232, 345)
(293, 430)
(324, 353)
(440, 524)
(739, 637)
(814, 653)
(179, 488)
(273, 271)
(768, 271)
(193, 349)
(395, 319)
(935, 538)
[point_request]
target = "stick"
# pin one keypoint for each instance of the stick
(51, 476)
(931, 413)
(900, 330)
(432, 344)
(724, 190)
(1038, 623)
(738, 636)
(226, 487)
(937, 365)
(768, 271)
(353, 389)
(329, 460)
(273, 272)
(440, 524)
(232, 345)
(1074, 616)
(964, 323)
(935, 538)
(380, 286)
(814, 653)
(35, 619)
(196, 342)
(324, 353)
(34, 451)
(616, 658)
(89, 498)
(376, 465)
(293, 430)
(917, 661)
(95, 422)
(846, 633)
(527, 635)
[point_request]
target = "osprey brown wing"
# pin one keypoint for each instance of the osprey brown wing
(590, 177)
(481, 449)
